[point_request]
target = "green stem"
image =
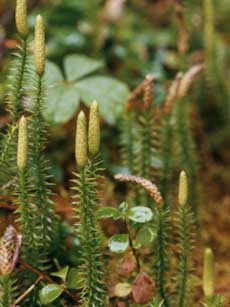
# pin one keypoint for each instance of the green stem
(93, 289)
(41, 190)
(161, 257)
(144, 165)
(167, 140)
(185, 238)
(20, 79)
(27, 218)
(187, 154)
(132, 247)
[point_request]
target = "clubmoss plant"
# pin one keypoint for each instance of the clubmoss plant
(92, 267)
(167, 135)
(184, 139)
(27, 215)
(9, 251)
(129, 127)
(39, 164)
(185, 225)
(17, 87)
(209, 276)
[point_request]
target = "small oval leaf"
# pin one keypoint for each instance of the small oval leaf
(140, 214)
(108, 212)
(119, 243)
(49, 293)
(145, 236)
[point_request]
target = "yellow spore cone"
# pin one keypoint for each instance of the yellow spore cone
(209, 273)
(94, 129)
(22, 144)
(81, 140)
(183, 189)
(39, 45)
(21, 17)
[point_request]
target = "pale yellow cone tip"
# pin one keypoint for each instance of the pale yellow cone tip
(183, 189)
(94, 134)
(39, 45)
(209, 273)
(81, 140)
(21, 17)
(22, 144)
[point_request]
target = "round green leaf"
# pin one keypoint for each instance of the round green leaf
(119, 243)
(74, 279)
(108, 212)
(53, 74)
(145, 236)
(140, 214)
(110, 94)
(77, 66)
(49, 293)
(61, 104)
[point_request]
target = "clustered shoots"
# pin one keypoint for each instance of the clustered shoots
(148, 132)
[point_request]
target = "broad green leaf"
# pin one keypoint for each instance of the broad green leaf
(61, 104)
(140, 214)
(108, 212)
(110, 93)
(77, 66)
(119, 243)
(49, 293)
(53, 74)
(145, 236)
(62, 273)
(74, 279)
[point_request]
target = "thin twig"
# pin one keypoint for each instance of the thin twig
(27, 292)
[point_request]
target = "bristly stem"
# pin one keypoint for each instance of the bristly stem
(187, 155)
(17, 89)
(27, 217)
(19, 80)
(39, 167)
(167, 140)
(93, 293)
(185, 224)
(162, 257)
(6, 291)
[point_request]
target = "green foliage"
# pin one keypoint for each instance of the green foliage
(161, 252)
(17, 88)
(39, 172)
(186, 154)
(27, 219)
(50, 293)
(119, 243)
(81, 86)
(6, 291)
(92, 268)
(185, 224)
(134, 218)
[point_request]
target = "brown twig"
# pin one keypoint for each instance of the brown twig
(27, 292)
(46, 277)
